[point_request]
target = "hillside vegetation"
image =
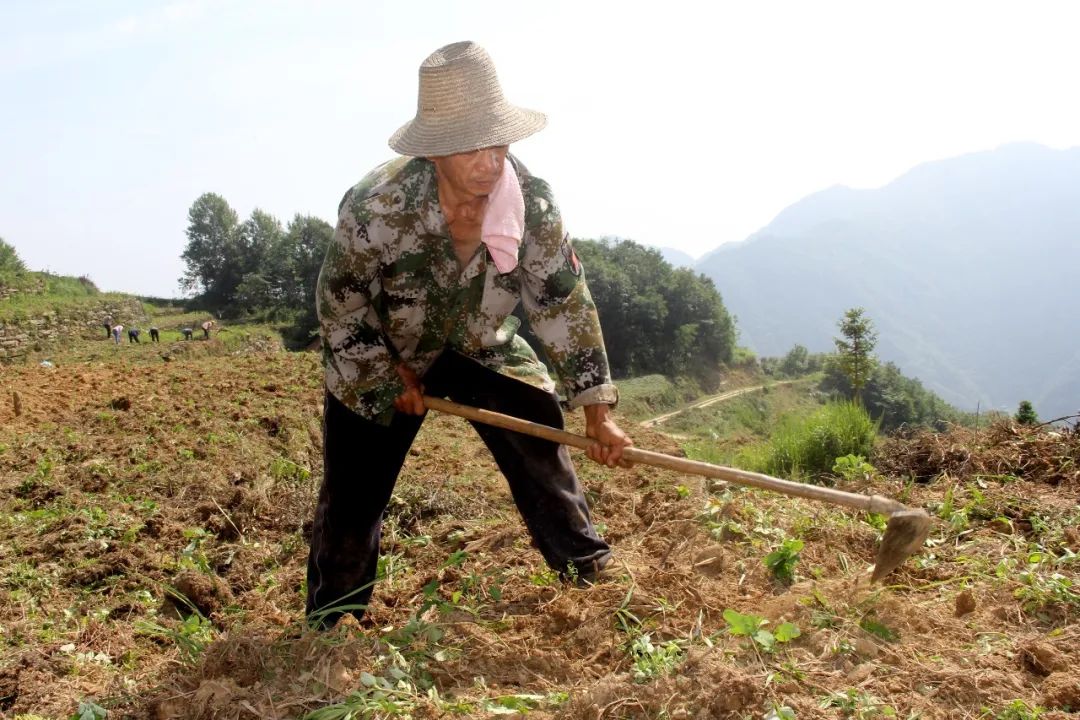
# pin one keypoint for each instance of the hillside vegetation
(154, 516)
(33, 293)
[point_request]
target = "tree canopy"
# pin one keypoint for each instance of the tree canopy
(656, 319)
(212, 254)
(892, 398)
(254, 267)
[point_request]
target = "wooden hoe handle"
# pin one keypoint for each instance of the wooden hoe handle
(868, 503)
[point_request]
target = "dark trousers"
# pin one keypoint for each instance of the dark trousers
(155, 336)
(362, 459)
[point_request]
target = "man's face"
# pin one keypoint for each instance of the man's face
(472, 173)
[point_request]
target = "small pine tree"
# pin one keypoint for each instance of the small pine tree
(1025, 414)
(856, 349)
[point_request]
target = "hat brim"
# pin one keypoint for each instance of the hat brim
(511, 124)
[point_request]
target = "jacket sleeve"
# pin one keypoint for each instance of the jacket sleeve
(360, 368)
(559, 306)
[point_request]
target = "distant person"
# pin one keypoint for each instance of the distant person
(133, 335)
(116, 330)
(206, 329)
(155, 336)
(187, 333)
(107, 322)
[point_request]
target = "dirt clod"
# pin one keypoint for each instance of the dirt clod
(1062, 690)
(965, 603)
(1040, 658)
(207, 593)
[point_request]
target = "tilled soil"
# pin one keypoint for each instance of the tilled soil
(154, 544)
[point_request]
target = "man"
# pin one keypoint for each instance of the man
(206, 329)
(155, 334)
(108, 326)
(432, 253)
(133, 335)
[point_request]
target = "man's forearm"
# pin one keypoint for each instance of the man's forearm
(597, 413)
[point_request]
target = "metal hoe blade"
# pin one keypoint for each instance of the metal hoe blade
(904, 535)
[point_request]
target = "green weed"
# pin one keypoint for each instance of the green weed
(191, 636)
(652, 660)
(649, 659)
(193, 557)
(545, 578)
(753, 627)
(781, 561)
(401, 677)
(285, 470)
(857, 705)
(1016, 710)
(377, 698)
(957, 518)
(89, 710)
(780, 712)
(878, 629)
(853, 467)
(513, 704)
(1041, 586)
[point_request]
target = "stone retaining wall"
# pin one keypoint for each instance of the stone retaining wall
(35, 288)
(85, 321)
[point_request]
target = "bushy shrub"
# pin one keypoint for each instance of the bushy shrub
(809, 446)
(1025, 414)
(10, 264)
(68, 286)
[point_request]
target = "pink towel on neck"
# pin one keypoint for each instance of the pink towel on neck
(504, 220)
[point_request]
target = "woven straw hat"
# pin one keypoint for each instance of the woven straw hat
(460, 107)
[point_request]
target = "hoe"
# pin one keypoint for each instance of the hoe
(904, 534)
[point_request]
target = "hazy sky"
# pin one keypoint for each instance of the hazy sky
(679, 124)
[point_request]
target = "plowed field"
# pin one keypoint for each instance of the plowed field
(152, 552)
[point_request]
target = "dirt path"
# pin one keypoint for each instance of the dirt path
(712, 399)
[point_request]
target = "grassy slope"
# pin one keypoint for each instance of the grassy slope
(125, 478)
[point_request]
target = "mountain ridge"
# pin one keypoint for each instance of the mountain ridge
(963, 264)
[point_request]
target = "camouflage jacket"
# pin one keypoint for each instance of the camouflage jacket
(391, 291)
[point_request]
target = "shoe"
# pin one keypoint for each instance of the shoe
(598, 574)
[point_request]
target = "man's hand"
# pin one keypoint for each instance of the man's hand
(610, 439)
(411, 401)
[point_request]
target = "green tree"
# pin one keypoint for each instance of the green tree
(656, 319)
(1025, 414)
(796, 362)
(855, 349)
(297, 261)
(10, 264)
(212, 251)
(256, 236)
(255, 239)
